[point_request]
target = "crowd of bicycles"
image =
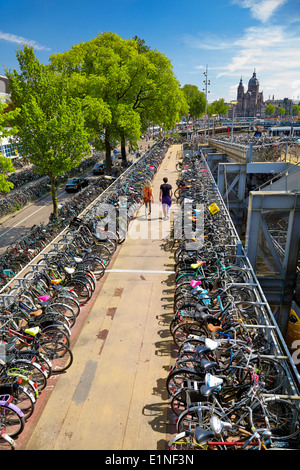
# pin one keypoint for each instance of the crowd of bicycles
(40, 308)
(30, 185)
(231, 386)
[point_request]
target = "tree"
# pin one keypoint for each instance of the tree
(123, 85)
(50, 126)
(102, 74)
(270, 110)
(195, 100)
(281, 111)
(159, 99)
(6, 165)
(220, 107)
(296, 110)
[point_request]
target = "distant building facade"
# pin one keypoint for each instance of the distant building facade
(286, 103)
(4, 90)
(251, 102)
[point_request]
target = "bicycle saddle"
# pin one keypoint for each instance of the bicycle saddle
(202, 309)
(70, 270)
(195, 284)
(214, 328)
(202, 350)
(9, 347)
(201, 435)
(198, 264)
(208, 391)
(44, 298)
(36, 313)
(206, 364)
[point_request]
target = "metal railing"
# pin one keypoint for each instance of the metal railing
(263, 152)
(267, 323)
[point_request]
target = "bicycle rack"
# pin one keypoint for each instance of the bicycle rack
(267, 322)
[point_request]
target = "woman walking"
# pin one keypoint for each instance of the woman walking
(165, 197)
(147, 196)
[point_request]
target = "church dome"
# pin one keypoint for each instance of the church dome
(253, 81)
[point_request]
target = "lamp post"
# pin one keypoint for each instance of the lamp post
(234, 103)
(206, 83)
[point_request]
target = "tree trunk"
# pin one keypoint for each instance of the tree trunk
(123, 148)
(107, 153)
(53, 195)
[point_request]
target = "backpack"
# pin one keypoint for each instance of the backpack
(147, 194)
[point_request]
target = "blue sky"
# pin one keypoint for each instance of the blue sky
(232, 37)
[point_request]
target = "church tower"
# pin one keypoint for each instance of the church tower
(253, 85)
(240, 98)
(250, 103)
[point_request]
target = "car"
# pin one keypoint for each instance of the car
(98, 169)
(76, 184)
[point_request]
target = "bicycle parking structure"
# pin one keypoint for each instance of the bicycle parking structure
(201, 316)
(31, 321)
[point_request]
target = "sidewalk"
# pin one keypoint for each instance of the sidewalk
(114, 397)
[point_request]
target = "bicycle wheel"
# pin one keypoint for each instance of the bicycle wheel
(24, 400)
(178, 404)
(95, 265)
(176, 377)
(55, 333)
(70, 301)
(82, 289)
(102, 252)
(281, 417)
(39, 376)
(21, 397)
(236, 274)
(271, 373)
(186, 328)
(195, 416)
(12, 419)
(60, 355)
(65, 310)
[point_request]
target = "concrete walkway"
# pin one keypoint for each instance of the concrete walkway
(114, 397)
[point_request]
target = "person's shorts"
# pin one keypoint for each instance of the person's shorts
(166, 200)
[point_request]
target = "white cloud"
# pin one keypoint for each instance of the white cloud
(274, 51)
(20, 40)
(261, 10)
(206, 41)
(267, 49)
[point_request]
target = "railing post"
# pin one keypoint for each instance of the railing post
(250, 153)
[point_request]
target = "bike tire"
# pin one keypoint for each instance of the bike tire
(283, 417)
(12, 418)
(60, 355)
(39, 376)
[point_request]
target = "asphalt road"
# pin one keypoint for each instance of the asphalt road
(14, 227)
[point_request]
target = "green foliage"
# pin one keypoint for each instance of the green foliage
(195, 100)
(124, 86)
(50, 127)
(296, 110)
(281, 111)
(6, 165)
(270, 110)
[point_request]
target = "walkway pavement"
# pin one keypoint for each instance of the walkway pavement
(114, 397)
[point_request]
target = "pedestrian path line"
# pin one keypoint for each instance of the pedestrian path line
(139, 271)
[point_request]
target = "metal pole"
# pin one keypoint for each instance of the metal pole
(206, 83)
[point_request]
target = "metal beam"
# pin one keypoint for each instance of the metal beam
(280, 290)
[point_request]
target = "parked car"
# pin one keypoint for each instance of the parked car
(98, 169)
(76, 184)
